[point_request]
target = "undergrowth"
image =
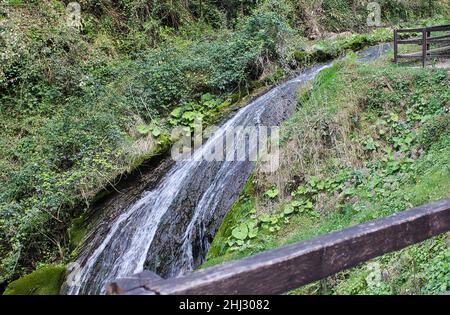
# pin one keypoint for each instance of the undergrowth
(366, 142)
(80, 107)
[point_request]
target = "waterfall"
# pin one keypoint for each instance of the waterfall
(169, 228)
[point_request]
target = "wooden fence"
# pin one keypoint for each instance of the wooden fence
(425, 41)
(280, 270)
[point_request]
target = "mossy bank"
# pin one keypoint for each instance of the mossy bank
(46, 280)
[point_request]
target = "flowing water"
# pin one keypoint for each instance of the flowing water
(170, 228)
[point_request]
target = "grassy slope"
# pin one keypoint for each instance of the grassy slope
(367, 141)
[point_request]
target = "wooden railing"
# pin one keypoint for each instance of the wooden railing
(425, 41)
(280, 270)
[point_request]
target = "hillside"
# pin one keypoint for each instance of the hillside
(368, 140)
(81, 107)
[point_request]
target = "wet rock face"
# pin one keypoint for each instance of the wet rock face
(167, 255)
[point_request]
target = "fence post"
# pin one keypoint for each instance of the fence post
(395, 46)
(424, 47)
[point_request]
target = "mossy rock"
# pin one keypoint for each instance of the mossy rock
(77, 231)
(360, 42)
(301, 57)
(433, 130)
(320, 54)
(240, 209)
(46, 280)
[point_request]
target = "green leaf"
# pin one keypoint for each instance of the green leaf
(188, 115)
(252, 223)
(301, 190)
(296, 204)
(156, 132)
(253, 233)
(265, 218)
(240, 232)
(207, 97)
(313, 181)
(321, 185)
(309, 205)
(394, 117)
(177, 112)
(272, 193)
(143, 129)
(289, 209)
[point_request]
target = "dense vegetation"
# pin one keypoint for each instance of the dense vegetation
(368, 140)
(80, 107)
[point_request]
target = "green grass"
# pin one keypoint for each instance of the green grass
(375, 141)
(46, 280)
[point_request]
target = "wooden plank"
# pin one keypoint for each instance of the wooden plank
(396, 41)
(134, 283)
(410, 30)
(438, 50)
(418, 41)
(410, 56)
(438, 28)
(431, 52)
(282, 269)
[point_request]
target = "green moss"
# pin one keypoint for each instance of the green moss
(77, 231)
(46, 280)
(301, 56)
(240, 209)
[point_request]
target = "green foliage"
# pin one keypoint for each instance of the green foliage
(46, 280)
(79, 108)
(400, 132)
(341, 15)
(272, 193)
(76, 112)
(243, 207)
(205, 110)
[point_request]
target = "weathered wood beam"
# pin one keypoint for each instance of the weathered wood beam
(282, 269)
(133, 284)
(424, 48)
(395, 46)
(433, 40)
(410, 56)
(438, 28)
(431, 53)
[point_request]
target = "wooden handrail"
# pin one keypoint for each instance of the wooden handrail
(437, 28)
(425, 41)
(280, 270)
(418, 41)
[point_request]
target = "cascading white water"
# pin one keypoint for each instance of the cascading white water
(157, 230)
